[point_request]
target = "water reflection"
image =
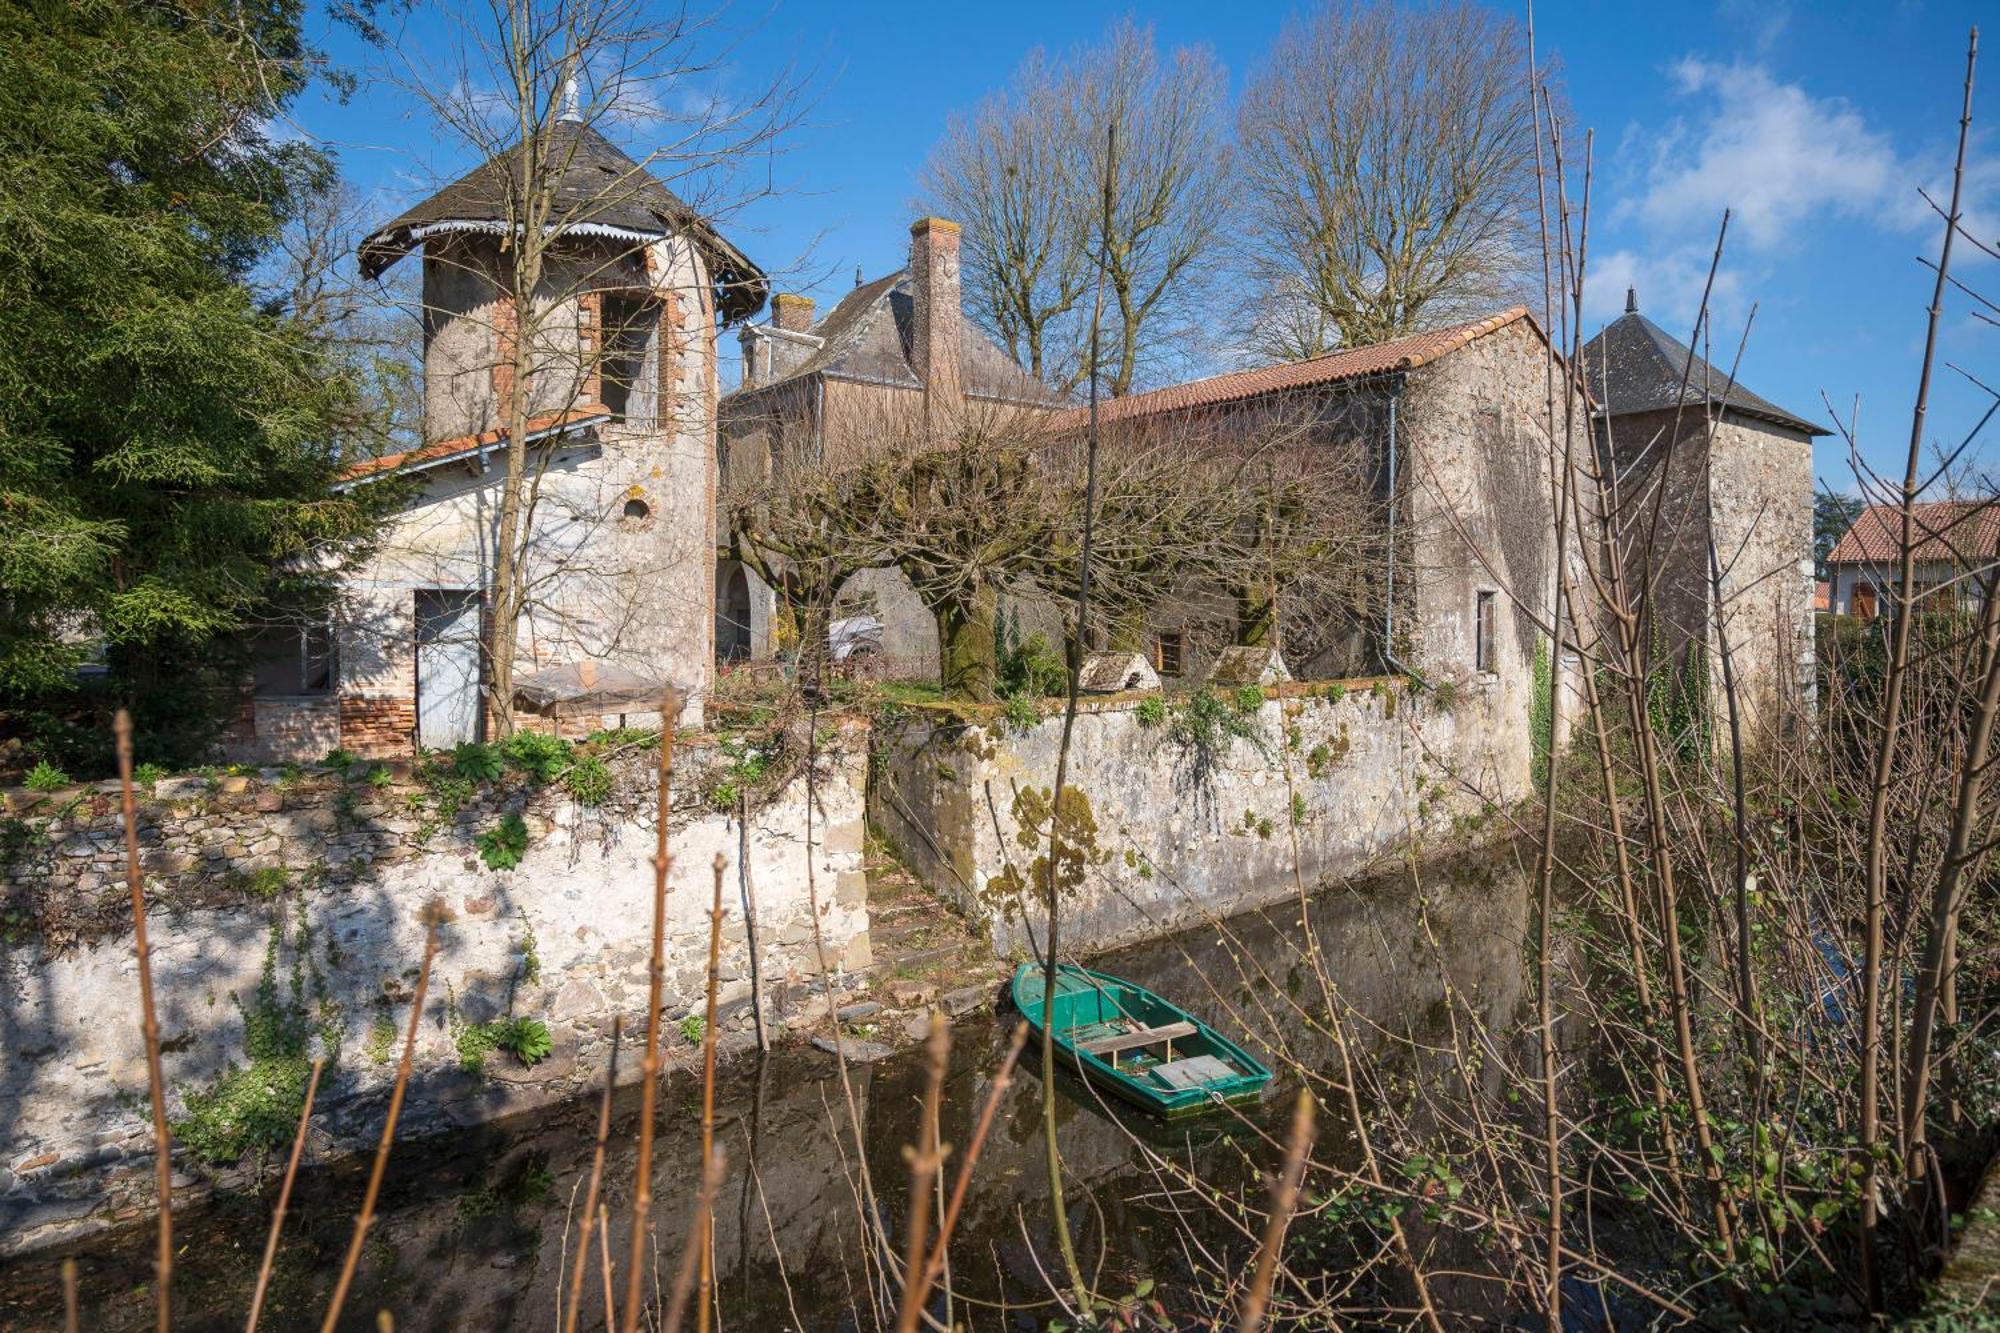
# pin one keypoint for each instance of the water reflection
(475, 1227)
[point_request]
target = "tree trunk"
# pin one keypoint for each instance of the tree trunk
(965, 628)
(1256, 614)
(815, 656)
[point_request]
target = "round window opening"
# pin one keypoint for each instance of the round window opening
(637, 510)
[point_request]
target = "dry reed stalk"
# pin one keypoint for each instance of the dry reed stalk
(72, 1318)
(590, 1207)
(149, 1025)
(284, 1199)
(649, 1065)
(704, 1209)
(1284, 1200)
(366, 1216)
(604, 1265)
(926, 1158)
(705, 1301)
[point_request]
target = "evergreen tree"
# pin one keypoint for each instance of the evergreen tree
(168, 441)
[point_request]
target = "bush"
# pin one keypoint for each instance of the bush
(588, 781)
(541, 757)
(1249, 698)
(1034, 669)
(145, 775)
(502, 847)
(338, 760)
(1151, 712)
(45, 776)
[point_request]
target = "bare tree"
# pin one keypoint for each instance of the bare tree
(1022, 174)
(1387, 167)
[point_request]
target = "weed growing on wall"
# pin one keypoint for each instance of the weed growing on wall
(45, 776)
(253, 1109)
(503, 846)
(1541, 713)
(541, 757)
(588, 781)
(526, 1039)
(1151, 712)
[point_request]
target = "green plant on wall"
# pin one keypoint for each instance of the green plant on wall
(588, 781)
(503, 846)
(1541, 713)
(252, 1109)
(526, 1039)
(540, 756)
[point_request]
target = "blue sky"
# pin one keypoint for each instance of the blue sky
(1817, 124)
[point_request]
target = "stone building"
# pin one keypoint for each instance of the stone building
(1957, 549)
(621, 455)
(1738, 482)
(900, 343)
(1446, 429)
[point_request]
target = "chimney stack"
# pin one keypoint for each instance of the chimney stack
(756, 356)
(934, 340)
(792, 312)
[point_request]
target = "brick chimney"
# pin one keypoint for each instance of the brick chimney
(792, 312)
(934, 335)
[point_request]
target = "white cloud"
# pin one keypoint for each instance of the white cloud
(1769, 151)
(1668, 284)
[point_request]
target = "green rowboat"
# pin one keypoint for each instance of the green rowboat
(1137, 1046)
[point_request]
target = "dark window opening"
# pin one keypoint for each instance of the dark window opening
(627, 328)
(1168, 652)
(294, 661)
(1482, 646)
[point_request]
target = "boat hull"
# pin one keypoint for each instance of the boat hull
(1095, 1011)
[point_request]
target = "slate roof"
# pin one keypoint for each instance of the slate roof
(602, 190)
(1958, 532)
(1634, 365)
(867, 337)
(1349, 363)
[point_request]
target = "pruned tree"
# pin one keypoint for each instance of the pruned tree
(1387, 173)
(1024, 174)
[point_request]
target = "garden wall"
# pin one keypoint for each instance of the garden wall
(1189, 810)
(287, 914)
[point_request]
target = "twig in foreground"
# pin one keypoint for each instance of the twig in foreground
(284, 1199)
(149, 1024)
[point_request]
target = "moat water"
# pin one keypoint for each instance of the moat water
(475, 1227)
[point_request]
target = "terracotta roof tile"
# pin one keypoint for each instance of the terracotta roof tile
(1960, 531)
(1349, 363)
(465, 444)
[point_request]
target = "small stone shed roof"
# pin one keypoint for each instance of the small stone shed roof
(602, 192)
(1957, 532)
(1349, 363)
(868, 335)
(1633, 365)
(459, 446)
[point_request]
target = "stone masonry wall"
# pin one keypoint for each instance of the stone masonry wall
(321, 883)
(1178, 831)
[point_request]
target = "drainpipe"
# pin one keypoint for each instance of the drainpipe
(1389, 657)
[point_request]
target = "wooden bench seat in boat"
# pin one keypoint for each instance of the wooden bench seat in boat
(1196, 1071)
(1126, 1041)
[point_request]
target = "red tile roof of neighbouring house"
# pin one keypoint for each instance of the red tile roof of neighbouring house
(545, 424)
(1960, 531)
(1349, 363)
